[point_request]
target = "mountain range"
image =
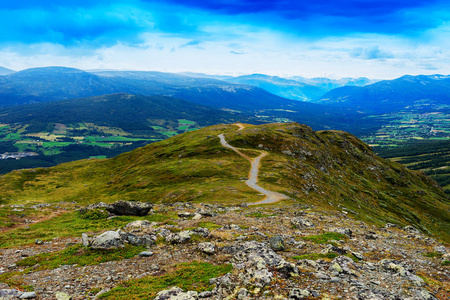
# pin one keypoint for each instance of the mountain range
(423, 92)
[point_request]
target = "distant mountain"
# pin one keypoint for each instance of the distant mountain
(51, 83)
(330, 84)
(407, 92)
(286, 88)
(124, 111)
(5, 71)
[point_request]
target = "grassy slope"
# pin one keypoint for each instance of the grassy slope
(329, 169)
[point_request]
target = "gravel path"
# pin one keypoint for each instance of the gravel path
(271, 196)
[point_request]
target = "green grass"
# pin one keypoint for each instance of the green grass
(259, 215)
(188, 276)
(433, 254)
(68, 225)
(80, 256)
(324, 238)
(209, 225)
(315, 256)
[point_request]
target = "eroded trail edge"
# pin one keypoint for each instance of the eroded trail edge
(271, 196)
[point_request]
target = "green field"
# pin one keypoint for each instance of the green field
(67, 142)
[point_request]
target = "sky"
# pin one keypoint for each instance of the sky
(340, 38)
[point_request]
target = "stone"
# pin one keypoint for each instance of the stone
(440, 249)
(137, 240)
(207, 247)
(302, 223)
(184, 214)
(358, 255)
(128, 208)
(145, 253)
(9, 293)
(62, 296)
(137, 226)
(178, 238)
(28, 295)
(411, 230)
(297, 293)
(197, 217)
(39, 242)
(206, 294)
(167, 294)
(108, 240)
(346, 231)
(242, 293)
(333, 249)
(425, 295)
(204, 232)
(85, 240)
(277, 243)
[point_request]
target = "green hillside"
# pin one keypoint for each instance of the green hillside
(330, 170)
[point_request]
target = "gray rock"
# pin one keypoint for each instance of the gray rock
(63, 296)
(391, 225)
(85, 240)
(179, 238)
(411, 230)
(108, 240)
(302, 223)
(185, 214)
(424, 295)
(242, 293)
(205, 294)
(9, 293)
(167, 294)
(207, 247)
(128, 208)
(297, 293)
(346, 231)
(440, 249)
(277, 243)
(204, 232)
(28, 295)
(39, 242)
(333, 249)
(137, 240)
(138, 225)
(146, 253)
(197, 216)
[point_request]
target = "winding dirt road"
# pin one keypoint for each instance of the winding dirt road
(271, 197)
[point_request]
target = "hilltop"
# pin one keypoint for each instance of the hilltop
(329, 169)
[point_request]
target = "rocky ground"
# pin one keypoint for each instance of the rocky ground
(265, 246)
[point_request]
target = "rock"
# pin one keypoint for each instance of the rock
(39, 242)
(85, 240)
(9, 293)
(296, 293)
(176, 293)
(333, 249)
(440, 249)
(128, 208)
(232, 227)
(277, 243)
(28, 295)
(184, 214)
(302, 223)
(62, 296)
(425, 295)
(205, 294)
(346, 231)
(138, 226)
(358, 255)
(207, 247)
(371, 236)
(391, 225)
(411, 230)
(197, 217)
(167, 294)
(145, 253)
(242, 293)
(137, 240)
(179, 238)
(154, 267)
(108, 240)
(204, 232)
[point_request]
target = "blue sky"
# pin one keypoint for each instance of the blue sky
(377, 39)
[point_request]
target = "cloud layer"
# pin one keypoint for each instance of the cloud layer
(382, 38)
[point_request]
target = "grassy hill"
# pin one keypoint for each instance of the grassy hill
(331, 170)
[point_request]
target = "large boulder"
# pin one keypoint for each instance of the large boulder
(128, 208)
(108, 240)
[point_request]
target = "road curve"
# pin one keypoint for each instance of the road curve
(271, 197)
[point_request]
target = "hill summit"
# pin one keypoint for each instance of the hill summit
(330, 170)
